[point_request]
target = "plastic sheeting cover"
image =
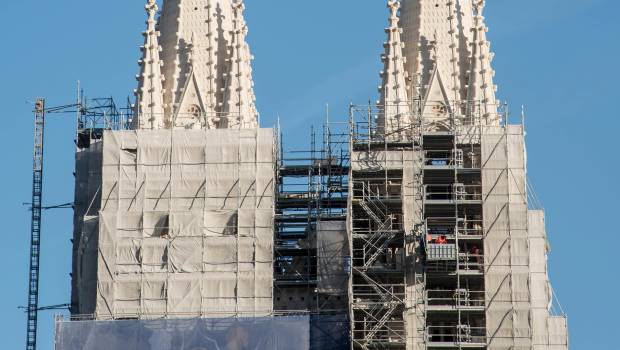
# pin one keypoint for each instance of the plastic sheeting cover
(285, 333)
(184, 226)
(506, 238)
(280, 332)
(333, 254)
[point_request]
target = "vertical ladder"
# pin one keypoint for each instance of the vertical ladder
(35, 230)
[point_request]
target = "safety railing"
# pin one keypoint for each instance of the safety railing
(444, 158)
(471, 261)
(220, 315)
(378, 257)
(468, 228)
(368, 295)
(453, 192)
(451, 227)
(193, 118)
(391, 332)
(456, 334)
(294, 244)
(455, 298)
(297, 195)
(366, 226)
(371, 123)
(450, 258)
(381, 189)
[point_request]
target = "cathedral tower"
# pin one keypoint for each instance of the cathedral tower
(447, 252)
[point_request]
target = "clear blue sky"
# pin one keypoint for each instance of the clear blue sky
(558, 57)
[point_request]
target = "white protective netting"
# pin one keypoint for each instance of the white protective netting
(549, 332)
(518, 293)
(186, 224)
(276, 333)
(506, 238)
(87, 200)
(333, 257)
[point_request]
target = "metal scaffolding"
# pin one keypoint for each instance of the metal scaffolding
(395, 228)
(310, 231)
(416, 229)
(378, 287)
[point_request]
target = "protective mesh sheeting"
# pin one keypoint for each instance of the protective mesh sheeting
(86, 264)
(558, 333)
(333, 257)
(539, 284)
(414, 321)
(506, 238)
(549, 332)
(285, 333)
(412, 215)
(87, 202)
(517, 285)
(186, 224)
(329, 332)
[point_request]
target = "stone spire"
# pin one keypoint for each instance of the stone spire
(394, 102)
(196, 37)
(149, 94)
(481, 88)
(239, 102)
(450, 28)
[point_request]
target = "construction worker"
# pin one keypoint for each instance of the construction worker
(477, 255)
(441, 240)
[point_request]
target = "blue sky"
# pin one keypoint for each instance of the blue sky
(557, 57)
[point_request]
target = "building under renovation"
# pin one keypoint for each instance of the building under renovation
(407, 226)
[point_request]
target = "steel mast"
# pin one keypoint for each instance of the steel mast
(35, 229)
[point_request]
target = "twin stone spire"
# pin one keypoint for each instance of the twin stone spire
(196, 68)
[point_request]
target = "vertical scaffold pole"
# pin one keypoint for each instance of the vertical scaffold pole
(35, 231)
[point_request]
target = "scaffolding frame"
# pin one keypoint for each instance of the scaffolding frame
(378, 288)
(312, 187)
(457, 199)
(383, 325)
(321, 184)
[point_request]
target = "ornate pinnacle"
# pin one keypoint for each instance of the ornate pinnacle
(151, 8)
(394, 6)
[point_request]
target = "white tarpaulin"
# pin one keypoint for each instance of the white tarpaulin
(333, 257)
(506, 238)
(277, 333)
(258, 333)
(185, 225)
(516, 281)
